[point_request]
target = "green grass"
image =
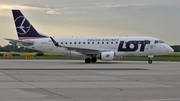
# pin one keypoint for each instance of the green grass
(44, 57)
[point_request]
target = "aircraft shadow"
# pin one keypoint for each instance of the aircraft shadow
(108, 62)
(73, 69)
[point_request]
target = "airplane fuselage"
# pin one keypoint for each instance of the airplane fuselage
(121, 46)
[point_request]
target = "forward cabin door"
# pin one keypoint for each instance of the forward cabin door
(147, 45)
(148, 48)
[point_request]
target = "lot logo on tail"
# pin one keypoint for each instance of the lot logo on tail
(22, 25)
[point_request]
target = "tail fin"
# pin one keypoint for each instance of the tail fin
(24, 28)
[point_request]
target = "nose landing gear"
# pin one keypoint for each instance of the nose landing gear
(150, 59)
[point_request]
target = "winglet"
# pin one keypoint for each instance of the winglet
(55, 43)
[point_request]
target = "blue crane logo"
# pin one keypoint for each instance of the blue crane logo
(22, 25)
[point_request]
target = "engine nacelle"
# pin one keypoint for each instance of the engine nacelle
(107, 56)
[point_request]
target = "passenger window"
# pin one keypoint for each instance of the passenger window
(83, 42)
(88, 42)
(102, 42)
(74, 42)
(79, 42)
(61, 42)
(97, 42)
(116, 42)
(70, 42)
(107, 42)
(66, 43)
(111, 42)
(92, 42)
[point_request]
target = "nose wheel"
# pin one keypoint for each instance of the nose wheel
(149, 60)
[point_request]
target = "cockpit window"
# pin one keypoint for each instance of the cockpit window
(161, 41)
(156, 41)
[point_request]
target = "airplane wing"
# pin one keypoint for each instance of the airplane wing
(83, 50)
(14, 42)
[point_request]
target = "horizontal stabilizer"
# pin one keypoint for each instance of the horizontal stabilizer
(24, 28)
(23, 42)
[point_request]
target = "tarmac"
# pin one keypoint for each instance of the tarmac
(73, 80)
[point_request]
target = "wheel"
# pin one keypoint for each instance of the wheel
(149, 61)
(87, 60)
(93, 60)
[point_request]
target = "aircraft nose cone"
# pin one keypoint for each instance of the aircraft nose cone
(170, 50)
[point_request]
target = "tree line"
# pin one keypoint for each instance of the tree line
(14, 48)
(176, 48)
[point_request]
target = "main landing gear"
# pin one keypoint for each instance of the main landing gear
(89, 60)
(150, 59)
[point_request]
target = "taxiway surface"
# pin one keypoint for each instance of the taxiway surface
(73, 80)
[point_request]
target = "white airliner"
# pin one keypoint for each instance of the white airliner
(91, 48)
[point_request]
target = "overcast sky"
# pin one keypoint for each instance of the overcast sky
(66, 18)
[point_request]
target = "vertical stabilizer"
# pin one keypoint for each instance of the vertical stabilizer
(24, 28)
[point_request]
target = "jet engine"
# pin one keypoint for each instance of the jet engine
(107, 56)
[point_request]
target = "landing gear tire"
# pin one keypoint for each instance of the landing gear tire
(93, 60)
(87, 60)
(149, 61)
